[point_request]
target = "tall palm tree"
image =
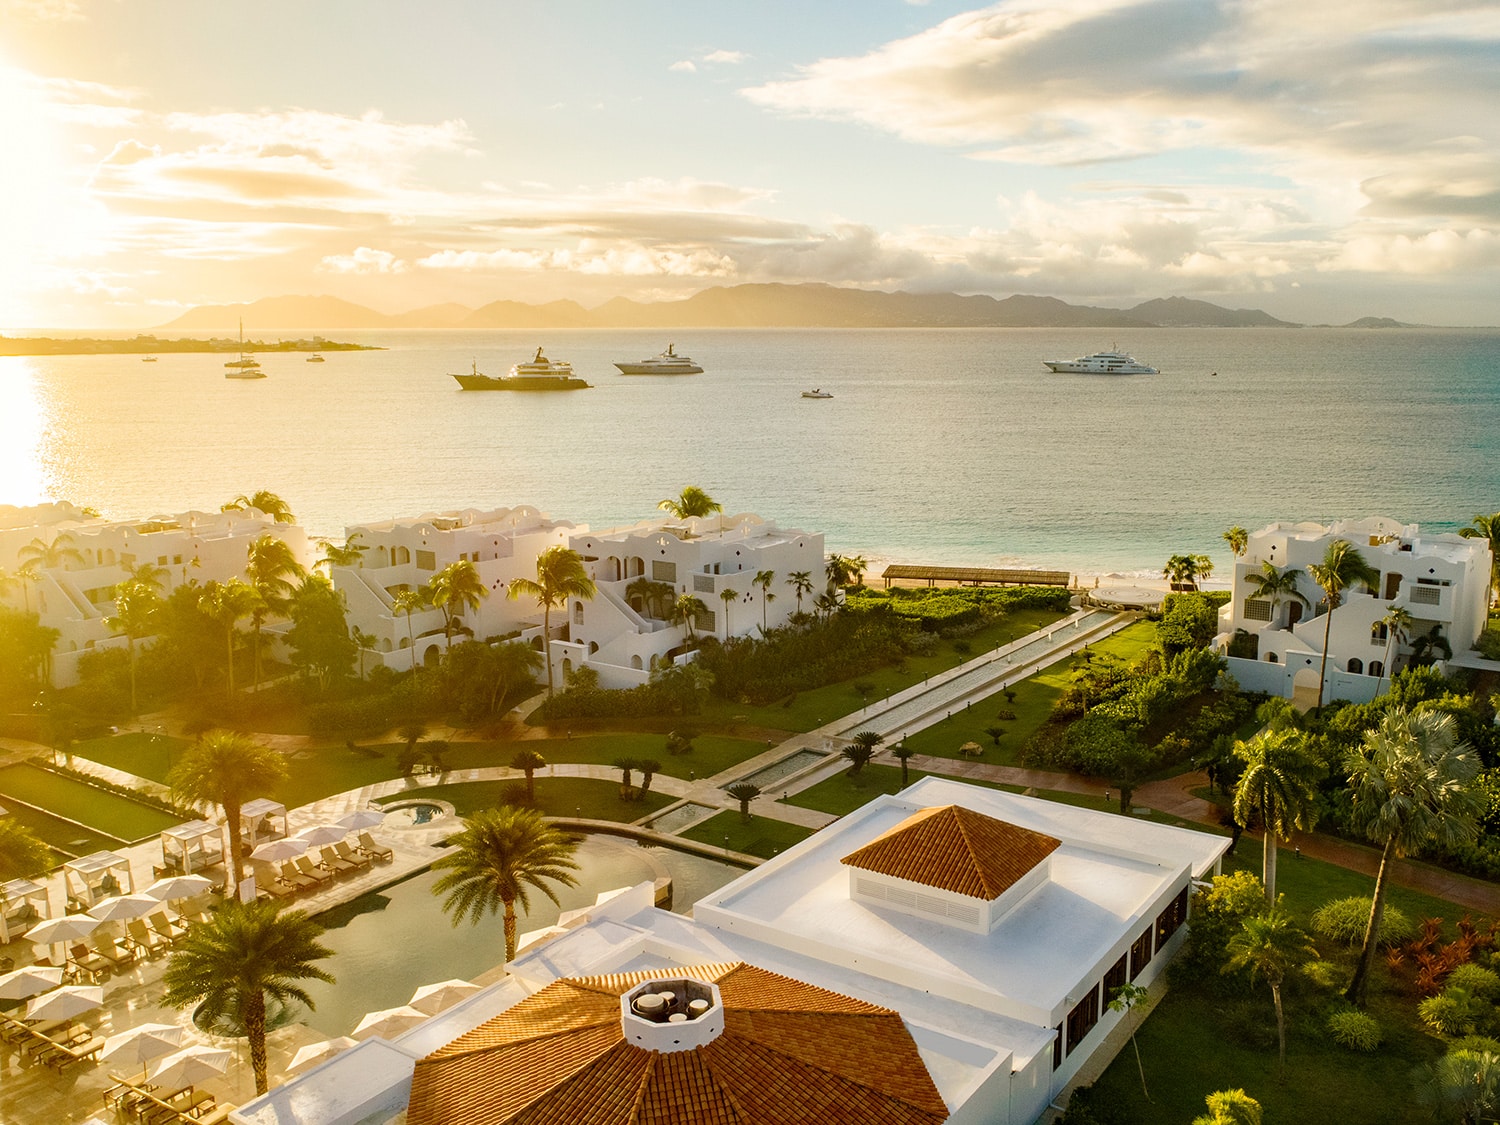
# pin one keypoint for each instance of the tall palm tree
(902, 753)
(227, 603)
(1183, 572)
(457, 589)
(1398, 623)
(845, 570)
(1276, 586)
(137, 608)
(1342, 567)
(408, 602)
(1238, 539)
(22, 855)
(243, 953)
(727, 596)
(1411, 785)
(1488, 527)
(801, 582)
(1271, 945)
(691, 503)
(62, 550)
(270, 565)
(227, 769)
(685, 612)
(528, 762)
(1279, 786)
(763, 579)
(352, 553)
(264, 501)
(148, 574)
(559, 576)
(496, 858)
(363, 642)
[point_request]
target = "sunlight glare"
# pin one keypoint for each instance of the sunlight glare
(32, 209)
(21, 425)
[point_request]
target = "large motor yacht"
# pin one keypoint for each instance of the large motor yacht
(667, 363)
(1100, 363)
(538, 374)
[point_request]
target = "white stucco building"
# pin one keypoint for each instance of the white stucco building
(993, 925)
(1441, 580)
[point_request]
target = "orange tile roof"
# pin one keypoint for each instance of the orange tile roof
(955, 849)
(790, 1054)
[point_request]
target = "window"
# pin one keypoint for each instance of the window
(1257, 609)
(426, 560)
(1425, 595)
(1272, 658)
(663, 571)
(1057, 1047)
(1355, 665)
(1082, 1018)
(703, 584)
(577, 613)
(1378, 633)
(1140, 954)
(1119, 973)
(705, 622)
(1377, 668)
(1170, 919)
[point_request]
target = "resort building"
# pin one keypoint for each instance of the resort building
(76, 595)
(944, 955)
(1275, 644)
(641, 571)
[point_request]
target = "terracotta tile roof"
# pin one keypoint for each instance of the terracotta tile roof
(955, 849)
(790, 1054)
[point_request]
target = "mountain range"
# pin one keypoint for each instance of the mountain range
(738, 306)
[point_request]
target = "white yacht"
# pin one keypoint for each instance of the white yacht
(1100, 363)
(246, 367)
(667, 363)
(540, 374)
(816, 392)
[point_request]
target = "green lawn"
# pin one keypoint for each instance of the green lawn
(556, 796)
(145, 755)
(117, 816)
(842, 794)
(761, 836)
(66, 840)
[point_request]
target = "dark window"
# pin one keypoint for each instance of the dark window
(1118, 974)
(1140, 954)
(1057, 1047)
(1168, 921)
(1082, 1018)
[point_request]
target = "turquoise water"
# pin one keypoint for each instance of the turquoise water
(941, 446)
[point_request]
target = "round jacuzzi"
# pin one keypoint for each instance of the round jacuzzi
(417, 813)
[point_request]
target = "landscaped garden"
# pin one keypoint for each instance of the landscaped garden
(583, 797)
(760, 835)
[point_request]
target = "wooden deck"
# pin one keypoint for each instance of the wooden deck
(976, 576)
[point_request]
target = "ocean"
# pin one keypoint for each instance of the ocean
(939, 446)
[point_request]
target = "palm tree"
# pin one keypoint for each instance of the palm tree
(265, 502)
(763, 579)
(1342, 567)
(1488, 527)
(649, 768)
(685, 612)
(1279, 786)
(691, 503)
(22, 855)
(528, 762)
(727, 596)
(1410, 784)
(1238, 539)
(137, 606)
(1182, 572)
(408, 602)
(1230, 1107)
(352, 553)
(1271, 945)
(226, 769)
(496, 858)
(1398, 622)
(842, 570)
(1274, 585)
(626, 766)
(226, 603)
(457, 589)
(148, 574)
(902, 753)
(49, 556)
(744, 792)
(411, 733)
(1464, 1080)
(801, 582)
(363, 642)
(1131, 999)
(861, 749)
(559, 576)
(270, 565)
(244, 952)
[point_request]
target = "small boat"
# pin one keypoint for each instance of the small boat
(315, 358)
(246, 367)
(148, 359)
(816, 392)
(538, 374)
(667, 363)
(1100, 363)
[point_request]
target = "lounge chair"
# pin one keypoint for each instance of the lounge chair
(110, 950)
(374, 850)
(301, 882)
(143, 939)
(169, 929)
(311, 870)
(332, 861)
(60, 1056)
(87, 961)
(349, 855)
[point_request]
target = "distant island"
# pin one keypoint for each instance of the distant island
(150, 345)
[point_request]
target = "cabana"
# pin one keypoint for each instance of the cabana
(97, 875)
(258, 821)
(190, 847)
(22, 905)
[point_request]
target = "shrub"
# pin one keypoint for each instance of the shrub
(1005, 715)
(1455, 1012)
(1344, 920)
(1489, 644)
(1476, 1043)
(1477, 981)
(1354, 1029)
(1325, 975)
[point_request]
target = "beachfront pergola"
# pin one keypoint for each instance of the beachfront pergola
(22, 905)
(97, 875)
(193, 846)
(258, 820)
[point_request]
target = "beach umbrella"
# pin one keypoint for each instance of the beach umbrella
(124, 908)
(178, 886)
(139, 1045)
(318, 1052)
(277, 850)
(320, 834)
(70, 927)
(189, 1066)
(389, 1021)
(433, 998)
(360, 818)
(66, 1002)
(24, 983)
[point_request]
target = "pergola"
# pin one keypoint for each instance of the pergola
(259, 814)
(97, 875)
(22, 905)
(190, 847)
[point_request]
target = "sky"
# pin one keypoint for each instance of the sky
(1320, 161)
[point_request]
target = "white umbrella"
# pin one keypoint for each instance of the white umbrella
(178, 886)
(189, 1066)
(433, 998)
(124, 908)
(390, 1021)
(317, 1052)
(66, 1002)
(361, 818)
(144, 1043)
(276, 850)
(23, 983)
(320, 834)
(70, 927)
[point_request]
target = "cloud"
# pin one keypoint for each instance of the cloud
(1434, 253)
(42, 11)
(684, 66)
(727, 57)
(589, 258)
(364, 260)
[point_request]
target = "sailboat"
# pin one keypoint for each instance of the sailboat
(246, 367)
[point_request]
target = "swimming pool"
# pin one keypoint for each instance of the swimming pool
(388, 943)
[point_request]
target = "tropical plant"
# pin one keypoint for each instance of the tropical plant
(1487, 527)
(1464, 1082)
(744, 792)
(265, 502)
(226, 604)
(861, 749)
(411, 731)
(457, 589)
(1341, 568)
(845, 570)
(685, 612)
(727, 596)
(1345, 920)
(1278, 788)
(1398, 622)
(1410, 785)
(1349, 1027)
(691, 503)
(137, 608)
(528, 762)
(1238, 539)
(497, 859)
(270, 565)
(363, 643)
(627, 767)
(226, 769)
(1271, 945)
(687, 684)
(244, 952)
(559, 576)
(321, 642)
(1230, 1107)
(22, 855)
(1133, 999)
(763, 579)
(649, 768)
(40, 554)
(653, 595)
(1276, 586)
(1183, 572)
(409, 602)
(801, 583)
(352, 553)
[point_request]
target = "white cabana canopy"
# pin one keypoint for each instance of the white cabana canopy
(22, 905)
(97, 875)
(258, 820)
(192, 846)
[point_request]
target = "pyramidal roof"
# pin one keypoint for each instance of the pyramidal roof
(956, 849)
(790, 1054)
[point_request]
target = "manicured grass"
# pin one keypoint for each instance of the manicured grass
(761, 836)
(555, 796)
(59, 834)
(1035, 698)
(124, 819)
(841, 794)
(145, 755)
